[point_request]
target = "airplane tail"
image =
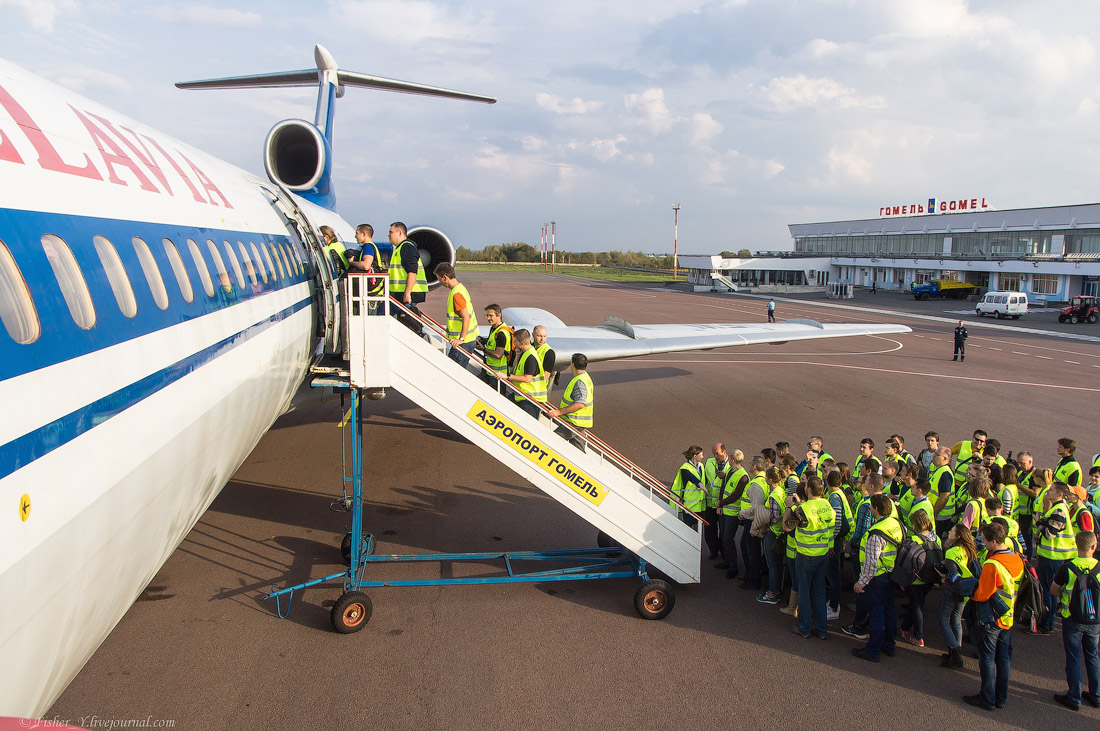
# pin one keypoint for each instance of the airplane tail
(297, 154)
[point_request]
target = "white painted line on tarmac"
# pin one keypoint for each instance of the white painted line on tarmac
(936, 338)
(1071, 361)
(1044, 357)
(1016, 352)
(992, 348)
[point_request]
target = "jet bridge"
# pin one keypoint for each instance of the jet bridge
(637, 517)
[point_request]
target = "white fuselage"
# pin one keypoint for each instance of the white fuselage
(119, 435)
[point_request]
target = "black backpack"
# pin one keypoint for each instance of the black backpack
(1084, 601)
(917, 558)
(1031, 607)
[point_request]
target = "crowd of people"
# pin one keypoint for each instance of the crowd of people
(988, 528)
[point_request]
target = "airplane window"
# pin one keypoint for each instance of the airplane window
(16, 306)
(236, 264)
(297, 256)
(223, 275)
(248, 265)
(179, 270)
(272, 255)
(152, 273)
(260, 262)
(291, 265)
(73, 287)
(116, 275)
(200, 264)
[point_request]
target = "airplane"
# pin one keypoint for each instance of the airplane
(160, 309)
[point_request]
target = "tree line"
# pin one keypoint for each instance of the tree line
(519, 251)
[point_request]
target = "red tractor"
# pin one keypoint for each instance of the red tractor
(1082, 308)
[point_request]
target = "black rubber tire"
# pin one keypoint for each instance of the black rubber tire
(1073, 320)
(1061, 318)
(1091, 319)
(925, 297)
(605, 541)
(345, 548)
(351, 612)
(977, 312)
(654, 599)
(1000, 315)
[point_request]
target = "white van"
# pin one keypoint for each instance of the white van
(1002, 304)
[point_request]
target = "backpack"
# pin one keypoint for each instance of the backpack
(1083, 601)
(1031, 607)
(917, 558)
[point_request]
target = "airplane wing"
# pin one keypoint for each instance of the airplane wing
(617, 338)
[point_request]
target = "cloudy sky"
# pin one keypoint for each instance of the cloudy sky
(750, 114)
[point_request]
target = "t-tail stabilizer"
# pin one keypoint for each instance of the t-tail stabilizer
(297, 154)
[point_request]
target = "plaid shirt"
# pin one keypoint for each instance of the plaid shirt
(871, 553)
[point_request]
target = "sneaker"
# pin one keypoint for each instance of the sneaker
(767, 598)
(832, 613)
(889, 652)
(1065, 701)
(1091, 699)
(976, 700)
(821, 635)
(862, 654)
(798, 631)
(911, 639)
(853, 631)
(792, 611)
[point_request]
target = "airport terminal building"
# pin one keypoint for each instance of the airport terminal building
(1050, 253)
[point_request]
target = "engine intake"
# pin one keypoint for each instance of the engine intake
(295, 155)
(435, 247)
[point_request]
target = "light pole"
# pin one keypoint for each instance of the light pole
(542, 246)
(553, 245)
(675, 239)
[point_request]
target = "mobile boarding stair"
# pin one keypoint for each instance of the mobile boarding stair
(721, 280)
(638, 526)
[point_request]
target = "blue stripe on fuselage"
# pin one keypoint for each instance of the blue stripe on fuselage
(61, 339)
(36, 444)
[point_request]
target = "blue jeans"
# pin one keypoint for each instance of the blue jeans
(994, 662)
(883, 615)
(792, 567)
(951, 626)
(531, 409)
(775, 563)
(811, 595)
(1080, 641)
(461, 354)
(834, 574)
(862, 608)
(1046, 569)
(917, 594)
(728, 532)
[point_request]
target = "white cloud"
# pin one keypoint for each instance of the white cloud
(531, 143)
(704, 128)
(650, 108)
(607, 149)
(850, 160)
(415, 21)
(84, 80)
(207, 15)
(41, 14)
(787, 93)
(557, 104)
(821, 48)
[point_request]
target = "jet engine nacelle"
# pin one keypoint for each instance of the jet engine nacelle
(435, 247)
(297, 156)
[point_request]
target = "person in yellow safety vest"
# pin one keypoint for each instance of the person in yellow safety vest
(960, 559)
(920, 504)
(1000, 572)
(815, 457)
(1068, 469)
(1009, 491)
(688, 486)
(729, 508)
(335, 251)
(923, 528)
(974, 515)
(408, 282)
(526, 375)
(461, 322)
(942, 494)
(752, 545)
(715, 470)
(964, 472)
(369, 260)
(497, 345)
(842, 533)
(866, 462)
(903, 456)
(1079, 514)
(877, 552)
(1056, 545)
(771, 524)
(577, 403)
(547, 357)
(907, 478)
(967, 448)
(1079, 639)
(996, 512)
(811, 524)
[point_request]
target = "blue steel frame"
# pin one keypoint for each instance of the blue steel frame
(591, 563)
